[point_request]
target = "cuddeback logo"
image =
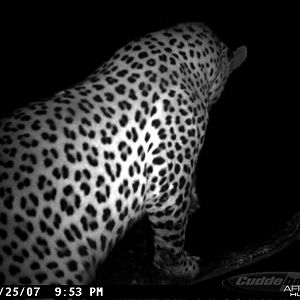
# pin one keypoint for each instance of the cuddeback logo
(266, 282)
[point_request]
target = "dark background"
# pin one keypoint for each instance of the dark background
(248, 171)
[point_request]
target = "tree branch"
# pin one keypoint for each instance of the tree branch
(237, 259)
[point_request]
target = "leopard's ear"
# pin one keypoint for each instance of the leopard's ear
(237, 57)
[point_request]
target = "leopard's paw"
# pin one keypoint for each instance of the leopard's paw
(186, 268)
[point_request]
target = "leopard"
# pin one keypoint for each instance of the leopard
(78, 168)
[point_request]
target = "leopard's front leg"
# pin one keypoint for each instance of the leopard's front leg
(168, 215)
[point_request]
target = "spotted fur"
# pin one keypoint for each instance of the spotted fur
(78, 169)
